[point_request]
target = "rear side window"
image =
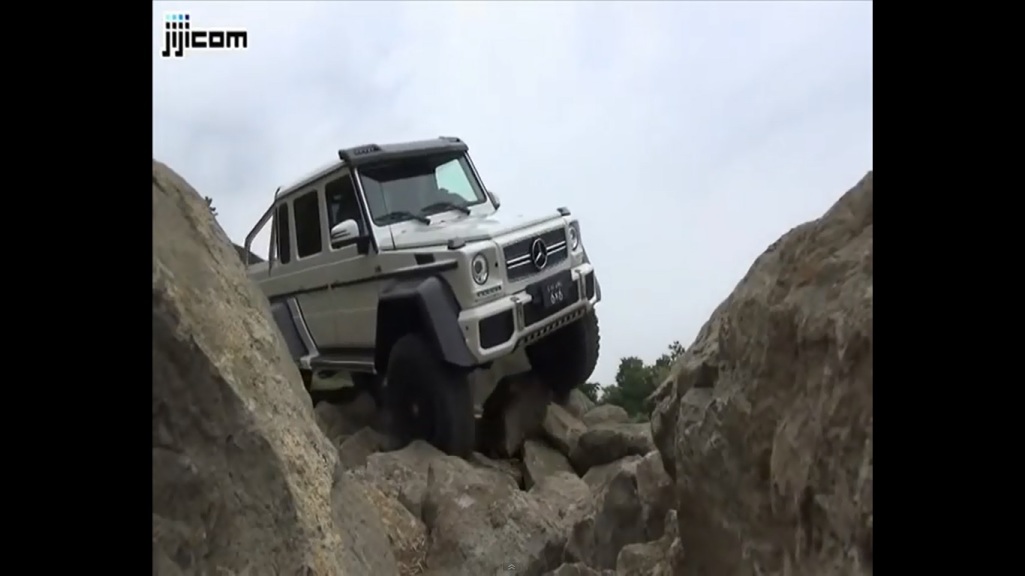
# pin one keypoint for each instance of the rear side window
(308, 240)
(283, 233)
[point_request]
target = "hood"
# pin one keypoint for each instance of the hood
(468, 227)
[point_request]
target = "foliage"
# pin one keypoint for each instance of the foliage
(591, 390)
(635, 381)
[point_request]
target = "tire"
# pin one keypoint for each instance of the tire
(428, 399)
(567, 358)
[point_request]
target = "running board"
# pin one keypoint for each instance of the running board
(348, 364)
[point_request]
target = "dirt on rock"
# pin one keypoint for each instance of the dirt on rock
(758, 460)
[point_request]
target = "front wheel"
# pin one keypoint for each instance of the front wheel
(428, 399)
(566, 359)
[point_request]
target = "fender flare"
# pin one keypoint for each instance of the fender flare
(429, 306)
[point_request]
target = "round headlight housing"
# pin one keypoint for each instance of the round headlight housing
(479, 269)
(574, 236)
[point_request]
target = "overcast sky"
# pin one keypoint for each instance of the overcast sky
(687, 136)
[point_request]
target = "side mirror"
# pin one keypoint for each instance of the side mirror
(494, 199)
(344, 230)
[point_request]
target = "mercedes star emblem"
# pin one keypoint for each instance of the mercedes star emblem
(539, 253)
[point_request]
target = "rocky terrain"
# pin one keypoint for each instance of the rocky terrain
(758, 458)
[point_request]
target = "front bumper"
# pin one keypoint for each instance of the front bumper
(498, 328)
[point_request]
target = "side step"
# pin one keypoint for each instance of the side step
(348, 363)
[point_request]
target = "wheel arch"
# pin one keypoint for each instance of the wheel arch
(425, 305)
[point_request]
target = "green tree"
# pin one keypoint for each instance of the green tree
(635, 381)
(591, 390)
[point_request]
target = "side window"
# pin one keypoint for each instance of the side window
(342, 203)
(308, 240)
(283, 233)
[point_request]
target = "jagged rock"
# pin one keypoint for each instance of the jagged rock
(522, 405)
(648, 558)
(766, 420)
(655, 488)
(562, 429)
(338, 421)
(407, 534)
(355, 449)
(605, 414)
(541, 461)
(401, 474)
(597, 476)
(565, 495)
(610, 442)
(578, 403)
(615, 519)
(509, 467)
(481, 523)
(578, 569)
(243, 480)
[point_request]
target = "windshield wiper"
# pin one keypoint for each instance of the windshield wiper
(400, 215)
(444, 205)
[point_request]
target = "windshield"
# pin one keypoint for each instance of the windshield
(412, 188)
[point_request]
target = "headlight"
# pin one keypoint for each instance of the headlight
(574, 236)
(479, 268)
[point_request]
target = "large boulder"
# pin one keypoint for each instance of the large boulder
(480, 522)
(578, 403)
(766, 421)
(244, 482)
(515, 411)
(402, 474)
(541, 461)
(605, 414)
(338, 421)
(561, 429)
(628, 504)
(650, 558)
(610, 442)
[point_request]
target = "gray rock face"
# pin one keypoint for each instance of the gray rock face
(766, 421)
(655, 489)
(481, 523)
(340, 421)
(243, 480)
(605, 414)
(355, 449)
(650, 558)
(401, 474)
(577, 569)
(524, 405)
(610, 442)
(561, 429)
(541, 461)
(509, 467)
(616, 519)
(578, 403)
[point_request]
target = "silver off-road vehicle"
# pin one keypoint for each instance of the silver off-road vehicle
(393, 266)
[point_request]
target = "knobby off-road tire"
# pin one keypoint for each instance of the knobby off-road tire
(428, 399)
(567, 357)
